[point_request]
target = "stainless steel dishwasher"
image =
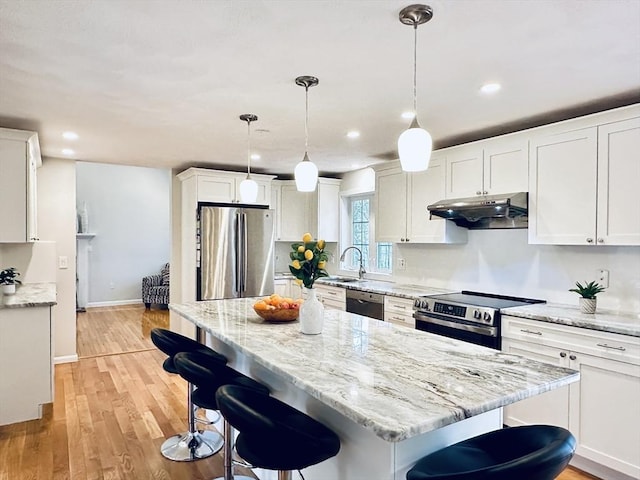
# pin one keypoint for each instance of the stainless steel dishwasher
(365, 303)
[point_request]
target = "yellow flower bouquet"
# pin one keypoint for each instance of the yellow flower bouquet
(308, 260)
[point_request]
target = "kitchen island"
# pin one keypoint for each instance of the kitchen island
(392, 394)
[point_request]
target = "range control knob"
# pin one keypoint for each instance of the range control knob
(425, 305)
(476, 314)
(487, 316)
(416, 303)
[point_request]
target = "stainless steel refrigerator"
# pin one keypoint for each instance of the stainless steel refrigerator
(235, 251)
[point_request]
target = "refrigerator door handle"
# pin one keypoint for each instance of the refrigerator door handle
(237, 247)
(244, 253)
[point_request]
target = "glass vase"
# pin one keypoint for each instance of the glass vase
(311, 313)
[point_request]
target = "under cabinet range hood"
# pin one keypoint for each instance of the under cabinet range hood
(508, 210)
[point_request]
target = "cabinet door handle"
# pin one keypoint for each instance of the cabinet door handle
(485, 192)
(604, 345)
(589, 240)
(530, 331)
(572, 357)
(406, 239)
(601, 240)
(402, 239)
(563, 354)
(478, 192)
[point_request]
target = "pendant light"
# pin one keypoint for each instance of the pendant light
(306, 172)
(415, 144)
(248, 187)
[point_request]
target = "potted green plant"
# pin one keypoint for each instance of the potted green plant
(9, 280)
(588, 293)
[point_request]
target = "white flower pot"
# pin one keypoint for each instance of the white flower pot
(9, 289)
(588, 305)
(311, 314)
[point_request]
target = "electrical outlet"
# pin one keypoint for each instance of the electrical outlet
(63, 262)
(603, 278)
(402, 264)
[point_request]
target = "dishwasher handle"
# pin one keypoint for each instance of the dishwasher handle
(362, 297)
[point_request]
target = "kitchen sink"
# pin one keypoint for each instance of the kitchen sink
(344, 279)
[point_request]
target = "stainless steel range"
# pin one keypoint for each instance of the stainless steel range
(469, 316)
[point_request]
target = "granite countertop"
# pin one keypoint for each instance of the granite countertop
(30, 295)
(395, 381)
(603, 320)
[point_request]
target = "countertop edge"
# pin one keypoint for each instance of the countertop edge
(31, 295)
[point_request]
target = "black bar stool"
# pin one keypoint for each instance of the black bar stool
(530, 452)
(208, 375)
(191, 445)
(274, 435)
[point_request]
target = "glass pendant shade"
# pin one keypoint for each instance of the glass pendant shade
(248, 190)
(306, 175)
(414, 148)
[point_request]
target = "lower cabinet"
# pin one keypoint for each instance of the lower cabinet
(399, 310)
(602, 409)
(332, 297)
(281, 287)
(26, 363)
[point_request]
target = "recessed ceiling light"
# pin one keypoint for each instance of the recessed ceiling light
(353, 134)
(67, 151)
(70, 135)
(408, 115)
(490, 87)
(255, 156)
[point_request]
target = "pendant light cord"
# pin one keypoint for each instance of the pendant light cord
(415, 70)
(306, 119)
(248, 148)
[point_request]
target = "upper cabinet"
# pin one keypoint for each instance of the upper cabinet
(315, 212)
(401, 206)
(489, 167)
(224, 187)
(582, 185)
(19, 160)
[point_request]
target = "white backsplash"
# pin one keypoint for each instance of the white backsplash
(501, 261)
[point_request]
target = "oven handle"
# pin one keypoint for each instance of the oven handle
(488, 331)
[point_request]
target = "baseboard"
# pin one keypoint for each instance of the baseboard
(65, 359)
(596, 469)
(114, 303)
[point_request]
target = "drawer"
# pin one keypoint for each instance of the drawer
(333, 304)
(332, 293)
(398, 305)
(399, 319)
(594, 342)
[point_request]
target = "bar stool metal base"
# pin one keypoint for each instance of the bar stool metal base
(189, 447)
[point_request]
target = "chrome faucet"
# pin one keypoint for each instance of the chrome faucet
(361, 270)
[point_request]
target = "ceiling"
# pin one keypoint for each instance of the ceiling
(162, 83)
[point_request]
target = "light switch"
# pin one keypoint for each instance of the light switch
(63, 262)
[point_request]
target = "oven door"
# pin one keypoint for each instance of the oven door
(440, 325)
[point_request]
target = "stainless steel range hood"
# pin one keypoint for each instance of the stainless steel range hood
(507, 210)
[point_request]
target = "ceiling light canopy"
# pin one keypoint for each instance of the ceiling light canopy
(490, 88)
(68, 151)
(415, 144)
(70, 135)
(248, 186)
(353, 134)
(306, 172)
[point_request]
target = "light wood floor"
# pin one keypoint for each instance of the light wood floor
(112, 411)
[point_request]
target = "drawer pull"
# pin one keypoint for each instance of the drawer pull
(604, 345)
(563, 354)
(572, 357)
(530, 331)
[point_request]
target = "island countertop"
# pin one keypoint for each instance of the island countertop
(395, 381)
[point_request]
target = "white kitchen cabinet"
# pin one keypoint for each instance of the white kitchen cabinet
(488, 167)
(399, 310)
(401, 207)
(281, 287)
(601, 410)
(295, 290)
(19, 160)
(218, 186)
(315, 212)
(582, 185)
(331, 297)
(26, 363)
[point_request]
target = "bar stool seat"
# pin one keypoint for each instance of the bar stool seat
(530, 452)
(274, 435)
(208, 375)
(193, 444)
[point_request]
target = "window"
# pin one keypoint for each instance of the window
(376, 257)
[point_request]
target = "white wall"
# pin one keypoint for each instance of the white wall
(57, 222)
(129, 211)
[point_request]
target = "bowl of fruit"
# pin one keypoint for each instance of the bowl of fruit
(275, 308)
